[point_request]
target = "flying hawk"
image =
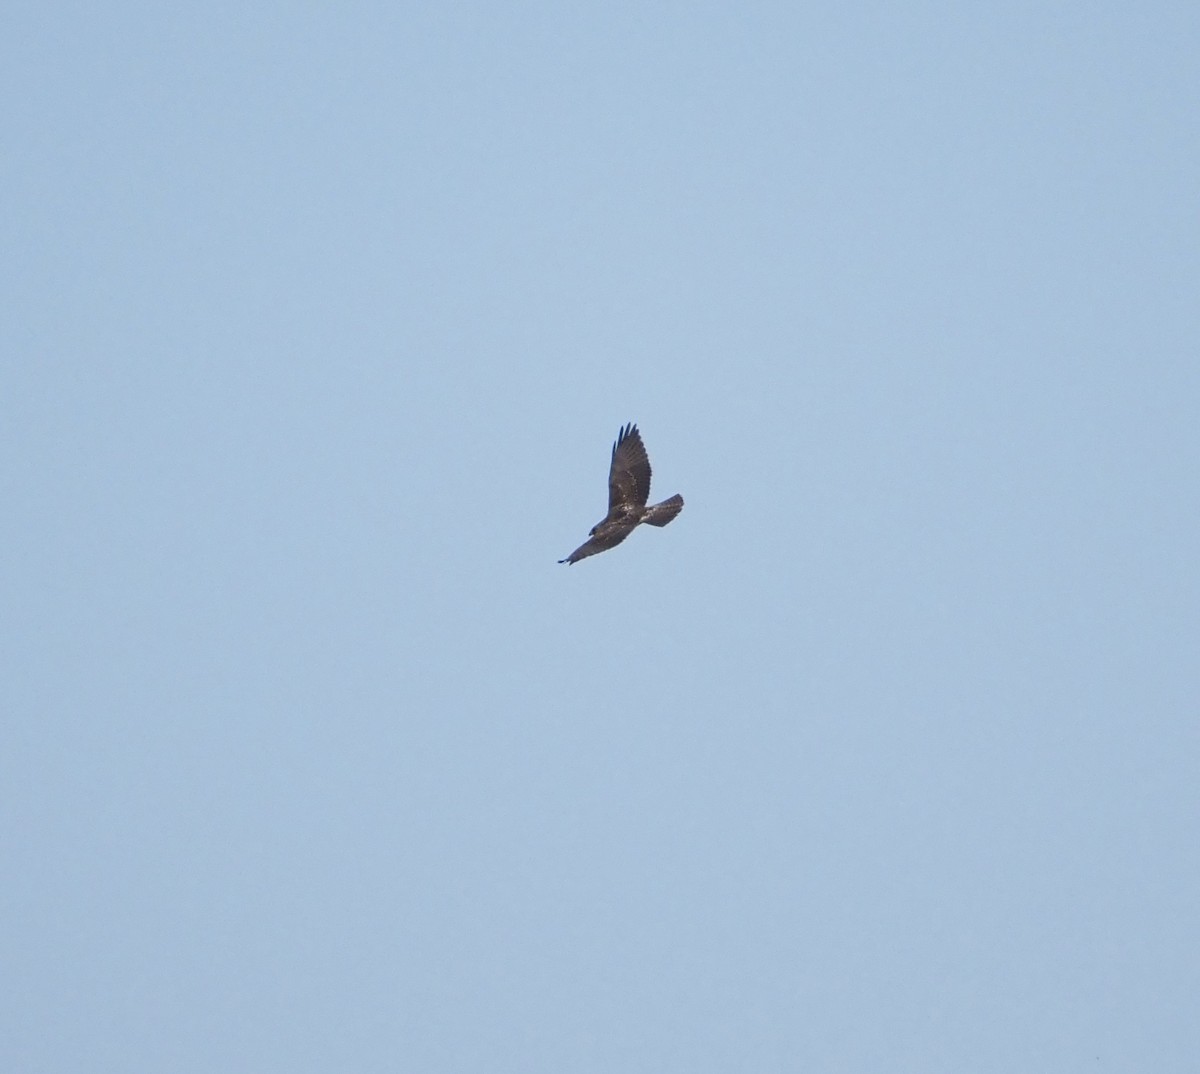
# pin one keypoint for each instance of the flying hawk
(628, 491)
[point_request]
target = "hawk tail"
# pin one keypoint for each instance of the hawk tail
(662, 513)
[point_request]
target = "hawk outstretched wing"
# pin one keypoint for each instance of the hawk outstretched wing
(629, 474)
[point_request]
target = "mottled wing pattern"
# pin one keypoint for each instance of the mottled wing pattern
(629, 474)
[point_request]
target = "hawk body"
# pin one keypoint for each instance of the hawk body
(628, 491)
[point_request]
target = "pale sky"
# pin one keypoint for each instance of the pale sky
(318, 326)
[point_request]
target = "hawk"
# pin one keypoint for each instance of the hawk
(628, 491)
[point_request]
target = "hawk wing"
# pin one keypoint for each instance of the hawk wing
(629, 474)
(607, 537)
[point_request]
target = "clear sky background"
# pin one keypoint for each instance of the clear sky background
(318, 325)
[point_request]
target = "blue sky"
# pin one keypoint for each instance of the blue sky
(318, 326)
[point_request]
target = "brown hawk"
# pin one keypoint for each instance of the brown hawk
(628, 491)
